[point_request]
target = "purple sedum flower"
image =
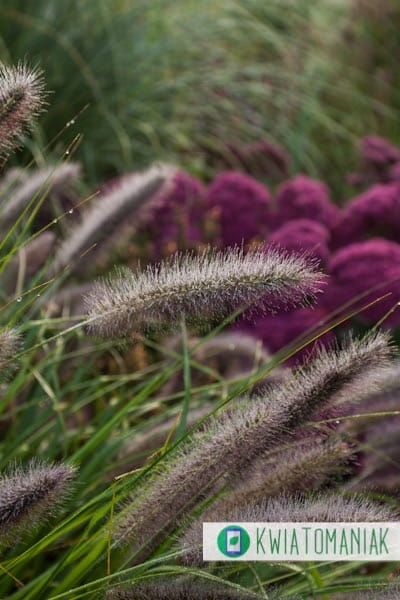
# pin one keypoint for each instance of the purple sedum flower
(305, 198)
(303, 236)
(242, 207)
(378, 155)
(378, 151)
(375, 212)
(372, 269)
(394, 173)
(177, 221)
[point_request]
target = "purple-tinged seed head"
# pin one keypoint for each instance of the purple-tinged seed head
(203, 288)
(30, 495)
(21, 101)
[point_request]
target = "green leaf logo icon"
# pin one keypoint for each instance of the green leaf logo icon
(233, 541)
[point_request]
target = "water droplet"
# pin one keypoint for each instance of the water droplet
(38, 295)
(71, 122)
(70, 212)
(337, 422)
(66, 152)
(55, 221)
(19, 299)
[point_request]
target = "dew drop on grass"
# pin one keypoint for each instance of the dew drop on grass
(19, 299)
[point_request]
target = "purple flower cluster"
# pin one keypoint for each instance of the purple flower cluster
(378, 152)
(177, 221)
(241, 206)
(378, 157)
(367, 270)
(305, 198)
(375, 212)
(358, 245)
(303, 236)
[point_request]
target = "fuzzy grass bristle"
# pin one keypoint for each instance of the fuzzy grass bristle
(30, 495)
(21, 101)
(130, 200)
(34, 185)
(202, 288)
(390, 591)
(303, 466)
(236, 437)
(10, 343)
(181, 589)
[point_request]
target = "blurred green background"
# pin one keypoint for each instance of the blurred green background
(182, 79)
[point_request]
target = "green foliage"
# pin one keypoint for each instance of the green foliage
(184, 80)
(161, 79)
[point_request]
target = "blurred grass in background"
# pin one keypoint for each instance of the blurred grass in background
(182, 80)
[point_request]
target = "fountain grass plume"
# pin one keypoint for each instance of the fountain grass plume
(132, 198)
(390, 591)
(21, 101)
(30, 495)
(302, 466)
(10, 343)
(202, 288)
(387, 386)
(181, 589)
(296, 508)
(35, 184)
(236, 437)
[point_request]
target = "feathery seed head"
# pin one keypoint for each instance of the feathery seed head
(28, 496)
(300, 467)
(353, 366)
(201, 287)
(10, 342)
(21, 101)
(233, 439)
(36, 184)
(389, 592)
(132, 199)
(181, 589)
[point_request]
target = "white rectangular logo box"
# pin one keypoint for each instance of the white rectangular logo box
(301, 541)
